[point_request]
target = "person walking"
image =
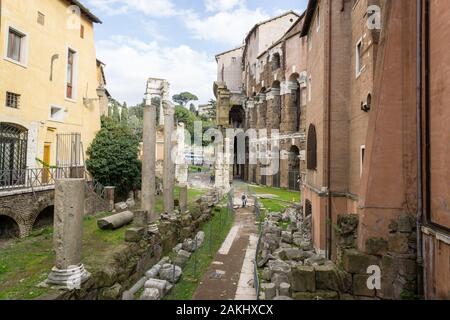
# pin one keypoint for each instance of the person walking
(244, 200)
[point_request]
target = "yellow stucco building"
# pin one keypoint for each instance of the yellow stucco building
(49, 84)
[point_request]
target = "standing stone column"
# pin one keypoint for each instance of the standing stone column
(109, 196)
(218, 167)
(182, 168)
(69, 272)
(183, 198)
(226, 165)
(168, 176)
(149, 160)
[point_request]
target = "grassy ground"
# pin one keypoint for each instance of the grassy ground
(24, 263)
(193, 194)
(193, 168)
(215, 233)
(283, 198)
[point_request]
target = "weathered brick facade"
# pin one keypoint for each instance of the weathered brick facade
(349, 82)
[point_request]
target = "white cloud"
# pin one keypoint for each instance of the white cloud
(228, 27)
(153, 8)
(130, 62)
(222, 5)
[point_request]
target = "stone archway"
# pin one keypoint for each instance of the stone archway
(296, 101)
(237, 121)
(9, 228)
(44, 218)
(294, 168)
(237, 117)
(274, 106)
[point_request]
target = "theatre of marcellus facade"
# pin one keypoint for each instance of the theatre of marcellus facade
(358, 90)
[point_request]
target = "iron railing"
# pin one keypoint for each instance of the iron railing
(31, 178)
(94, 185)
(294, 184)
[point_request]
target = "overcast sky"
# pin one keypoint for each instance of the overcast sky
(173, 39)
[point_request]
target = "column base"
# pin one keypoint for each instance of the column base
(69, 279)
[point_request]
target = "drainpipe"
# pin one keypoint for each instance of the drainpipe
(329, 213)
(419, 150)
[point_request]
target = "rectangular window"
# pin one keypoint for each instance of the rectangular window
(41, 18)
(12, 100)
(56, 113)
(15, 45)
(233, 59)
(359, 49)
(362, 154)
(81, 31)
(70, 74)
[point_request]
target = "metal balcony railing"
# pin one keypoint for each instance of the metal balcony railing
(31, 178)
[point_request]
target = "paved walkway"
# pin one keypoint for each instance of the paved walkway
(230, 276)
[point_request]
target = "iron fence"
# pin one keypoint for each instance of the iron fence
(294, 183)
(69, 150)
(32, 178)
(276, 183)
(23, 179)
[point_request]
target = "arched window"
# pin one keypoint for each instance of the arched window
(308, 208)
(312, 148)
(276, 61)
(13, 153)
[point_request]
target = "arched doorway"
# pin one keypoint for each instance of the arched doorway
(294, 168)
(237, 120)
(276, 104)
(8, 228)
(296, 99)
(45, 218)
(237, 117)
(13, 154)
(276, 179)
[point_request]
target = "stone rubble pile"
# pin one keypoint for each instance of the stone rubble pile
(161, 278)
(129, 204)
(291, 268)
(286, 251)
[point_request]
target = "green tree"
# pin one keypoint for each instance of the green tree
(213, 111)
(184, 98)
(192, 109)
(187, 117)
(124, 116)
(113, 157)
(116, 113)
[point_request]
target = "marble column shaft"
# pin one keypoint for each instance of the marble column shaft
(149, 162)
(169, 169)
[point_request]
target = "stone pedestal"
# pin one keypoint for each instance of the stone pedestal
(218, 169)
(168, 175)
(69, 272)
(109, 196)
(183, 198)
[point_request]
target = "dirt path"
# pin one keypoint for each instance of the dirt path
(229, 276)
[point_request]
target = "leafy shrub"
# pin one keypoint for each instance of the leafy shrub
(113, 157)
